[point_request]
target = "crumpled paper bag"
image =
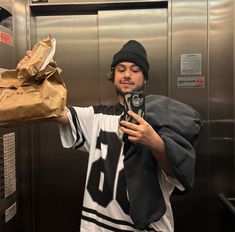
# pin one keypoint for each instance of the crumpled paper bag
(26, 96)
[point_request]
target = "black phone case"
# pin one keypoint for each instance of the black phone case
(134, 101)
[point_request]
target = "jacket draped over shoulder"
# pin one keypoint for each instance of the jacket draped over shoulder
(178, 125)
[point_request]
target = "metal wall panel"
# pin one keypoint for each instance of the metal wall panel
(221, 104)
(189, 36)
(21, 29)
(204, 27)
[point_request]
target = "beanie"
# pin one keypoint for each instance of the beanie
(134, 52)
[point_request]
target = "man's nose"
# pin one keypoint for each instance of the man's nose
(128, 73)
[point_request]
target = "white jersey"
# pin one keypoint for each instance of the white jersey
(105, 204)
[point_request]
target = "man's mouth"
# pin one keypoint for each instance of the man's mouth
(127, 83)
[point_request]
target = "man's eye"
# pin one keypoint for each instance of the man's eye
(135, 70)
(120, 69)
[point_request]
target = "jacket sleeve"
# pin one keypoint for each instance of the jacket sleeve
(179, 126)
(181, 156)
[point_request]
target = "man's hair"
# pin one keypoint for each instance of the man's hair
(111, 74)
(134, 52)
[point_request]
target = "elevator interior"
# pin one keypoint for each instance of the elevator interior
(186, 41)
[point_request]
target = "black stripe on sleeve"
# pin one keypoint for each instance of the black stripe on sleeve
(121, 222)
(112, 220)
(150, 230)
(80, 140)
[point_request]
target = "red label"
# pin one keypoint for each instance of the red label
(200, 81)
(6, 38)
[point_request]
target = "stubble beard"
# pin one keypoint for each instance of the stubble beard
(122, 93)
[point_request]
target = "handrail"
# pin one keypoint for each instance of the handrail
(228, 202)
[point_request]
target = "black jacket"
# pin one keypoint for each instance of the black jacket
(178, 125)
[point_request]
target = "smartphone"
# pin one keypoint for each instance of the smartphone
(134, 101)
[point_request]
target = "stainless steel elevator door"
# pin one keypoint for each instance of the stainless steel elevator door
(149, 26)
(86, 44)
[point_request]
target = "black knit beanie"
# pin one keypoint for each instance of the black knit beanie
(133, 52)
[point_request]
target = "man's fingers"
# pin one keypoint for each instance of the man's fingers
(29, 53)
(129, 125)
(135, 116)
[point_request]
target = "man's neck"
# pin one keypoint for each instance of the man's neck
(121, 99)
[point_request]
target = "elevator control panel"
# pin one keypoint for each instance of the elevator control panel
(7, 165)
(8, 207)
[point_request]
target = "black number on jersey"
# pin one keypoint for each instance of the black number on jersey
(106, 169)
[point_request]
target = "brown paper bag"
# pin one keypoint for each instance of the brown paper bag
(24, 99)
(41, 55)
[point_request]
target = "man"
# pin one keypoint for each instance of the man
(129, 181)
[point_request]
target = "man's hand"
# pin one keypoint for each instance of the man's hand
(30, 52)
(143, 133)
(27, 56)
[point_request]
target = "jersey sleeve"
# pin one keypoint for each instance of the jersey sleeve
(77, 134)
(168, 183)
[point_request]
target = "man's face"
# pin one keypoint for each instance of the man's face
(128, 78)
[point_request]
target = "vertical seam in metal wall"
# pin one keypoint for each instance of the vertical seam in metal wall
(208, 90)
(99, 74)
(169, 47)
(14, 34)
(34, 162)
(28, 31)
(208, 61)
(233, 93)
